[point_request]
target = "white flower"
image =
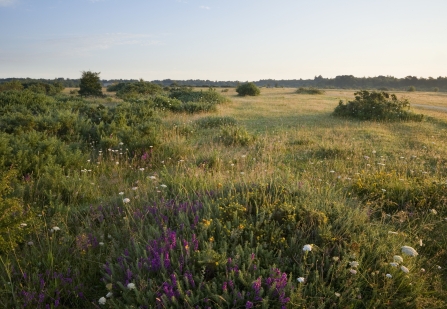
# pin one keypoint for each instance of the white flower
(423, 270)
(394, 233)
(354, 264)
(30, 243)
(404, 269)
(152, 177)
(389, 276)
(398, 259)
(131, 286)
(300, 279)
(409, 251)
(163, 186)
(394, 264)
(337, 294)
(420, 242)
(307, 248)
(101, 243)
(433, 211)
(121, 193)
(110, 294)
(134, 188)
(141, 168)
(102, 301)
(55, 229)
(353, 271)
(126, 200)
(331, 171)
(23, 224)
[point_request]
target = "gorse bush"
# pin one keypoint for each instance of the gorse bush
(376, 106)
(249, 89)
(309, 90)
(135, 90)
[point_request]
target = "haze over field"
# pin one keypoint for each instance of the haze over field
(222, 40)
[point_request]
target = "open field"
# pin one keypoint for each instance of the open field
(268, 202)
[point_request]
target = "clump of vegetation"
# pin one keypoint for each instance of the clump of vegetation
(309, 90)
(235, 136)
(215, 122)
(37, 87)
(411, 89)
(249, 89)
(376, 106)
(135, 90)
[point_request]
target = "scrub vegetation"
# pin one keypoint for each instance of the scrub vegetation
(191, 198)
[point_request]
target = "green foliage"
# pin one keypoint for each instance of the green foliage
(187, 95)
(128, 91)
(435, 89)
(14, 217)
(411, 89)
(376, 106)
(235, 136)
(90, 84)
(309, 90)
(12, 85)
(215, 122)
(248, 89)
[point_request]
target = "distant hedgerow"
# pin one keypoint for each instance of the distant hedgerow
(376, 106)
(309, 90)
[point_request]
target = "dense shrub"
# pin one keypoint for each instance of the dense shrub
(309, 90)
(90, 84)
(411, 88)
(186, 95)
(135, 90)
(215, 122)
(248, 89)
(376, 106)
(235, 136)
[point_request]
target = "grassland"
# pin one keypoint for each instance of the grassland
(270, 202)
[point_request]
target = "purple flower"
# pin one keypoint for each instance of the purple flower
(249, 304)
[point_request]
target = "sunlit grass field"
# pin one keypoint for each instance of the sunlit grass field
(270, 202)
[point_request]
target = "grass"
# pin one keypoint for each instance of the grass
(208, 209)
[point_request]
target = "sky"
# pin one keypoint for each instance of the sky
(245, 40)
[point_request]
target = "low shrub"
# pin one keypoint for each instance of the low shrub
(134, 90)
(248, 89)
(232, 136)
(215, 122)
(376, 106)
(309, 90)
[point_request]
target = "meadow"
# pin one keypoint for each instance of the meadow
(258, 202)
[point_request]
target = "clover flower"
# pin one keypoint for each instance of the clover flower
(102, 301)
(307, 248)
(409, 251)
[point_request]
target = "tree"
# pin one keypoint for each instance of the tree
(90, 84)
(248, 89)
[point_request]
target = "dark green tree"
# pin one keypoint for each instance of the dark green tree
(248, 89)
(90, 84)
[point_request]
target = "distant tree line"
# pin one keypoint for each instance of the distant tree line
(343, 81)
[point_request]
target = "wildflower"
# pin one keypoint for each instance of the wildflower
(110, 294)
(335, 258)
(354, 264)
(249, 304)
(331, 171)
(131, 286)
(152, 177)
(389, 276)
(409, 251)
(300, 279)
(102, 301)
(394, 233)
(353, 271)
(439, 267)
(337, 294)
(404, 269)
(55, 229)
(394, 264)
(101, 243)
(420, 242)
(423, 270)
(307, 248)
(366, 157)
(126, 200)
(373, 151)
(134, 188)
(398, 259)
(383, 190)
(433, 211)
(30, 243)
(142, 169)
(163, 186)
(117, 163)
(23, 224)
(121, 193)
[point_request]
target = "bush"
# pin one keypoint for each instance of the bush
(411, 88)
(436, 89)
(215, 122)
(235, 136)
(309, 90)
(248, 89)
(376, 106)
(134, 90)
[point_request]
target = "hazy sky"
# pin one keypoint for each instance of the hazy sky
(222, 39)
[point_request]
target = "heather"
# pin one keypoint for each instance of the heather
(260, 202)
